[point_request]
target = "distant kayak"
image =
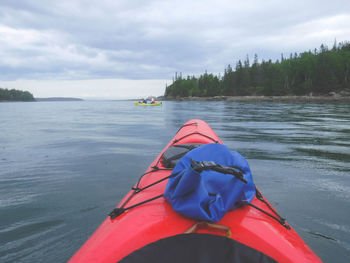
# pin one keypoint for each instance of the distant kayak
(148, 104)
(145, 228)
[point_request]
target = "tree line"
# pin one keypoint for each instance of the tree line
(15, 95)
(317, 72)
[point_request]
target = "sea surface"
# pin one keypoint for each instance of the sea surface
(65, 165)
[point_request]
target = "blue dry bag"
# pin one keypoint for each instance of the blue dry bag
(209, 181)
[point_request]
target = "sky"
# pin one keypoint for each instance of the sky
(118, 49)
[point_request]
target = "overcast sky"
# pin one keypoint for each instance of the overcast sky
(131, 49)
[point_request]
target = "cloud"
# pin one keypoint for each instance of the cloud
(78, 40)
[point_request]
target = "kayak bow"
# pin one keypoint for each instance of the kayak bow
(153, 231)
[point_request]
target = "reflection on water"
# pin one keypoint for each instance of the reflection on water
(65, 165)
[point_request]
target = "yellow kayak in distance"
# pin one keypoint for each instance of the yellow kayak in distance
(148, 104)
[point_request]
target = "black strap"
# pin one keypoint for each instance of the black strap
(204, 165)
(278, 218)
(188, 124)
(120, 210)
(154, 169)
(177, 140)
(261, 198)
(137, 189)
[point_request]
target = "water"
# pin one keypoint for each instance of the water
(65, 165)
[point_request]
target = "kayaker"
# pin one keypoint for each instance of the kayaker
(144, 101)
(153, 101)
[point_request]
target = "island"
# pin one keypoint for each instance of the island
(319, 75)
(15, 95)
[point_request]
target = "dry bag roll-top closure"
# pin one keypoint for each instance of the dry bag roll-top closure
(209, 181)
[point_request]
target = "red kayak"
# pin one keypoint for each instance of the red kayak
(152, 231)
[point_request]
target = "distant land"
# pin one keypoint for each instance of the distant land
(58, 99)
(15, 95)
(7, 95)
(321, 74)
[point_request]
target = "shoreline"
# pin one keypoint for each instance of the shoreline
(335, 98)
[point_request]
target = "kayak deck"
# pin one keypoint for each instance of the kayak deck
(155, 220)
